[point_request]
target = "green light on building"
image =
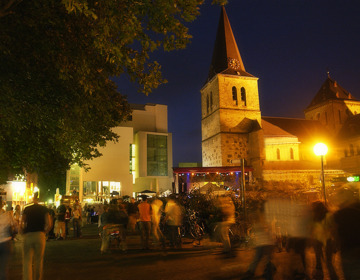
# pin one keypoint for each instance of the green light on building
(353, 179)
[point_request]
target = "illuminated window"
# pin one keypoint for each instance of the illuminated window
(75, 177)
(89, 187)
(278, 153)
(243, 95)
(157, 155)
(234, 95)
(105, 188)
(132, 158)
(291, 153)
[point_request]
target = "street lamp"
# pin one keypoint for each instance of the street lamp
(320, 149)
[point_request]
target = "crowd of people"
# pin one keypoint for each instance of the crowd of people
(315, 226)
(120, 218)
(33, 227)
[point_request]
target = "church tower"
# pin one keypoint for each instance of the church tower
(332, 106)
(229, 104)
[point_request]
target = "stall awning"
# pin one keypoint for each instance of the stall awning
(214, 169)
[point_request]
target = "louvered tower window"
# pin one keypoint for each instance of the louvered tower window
(243, 95)
(234, 95)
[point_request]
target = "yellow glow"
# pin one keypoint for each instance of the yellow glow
(19, 187)
(36, 189)
(50, 201)
(133, 176)
(320, 149)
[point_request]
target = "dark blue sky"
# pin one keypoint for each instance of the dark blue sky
(287, 44)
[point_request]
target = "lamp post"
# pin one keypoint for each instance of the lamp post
(320, 149)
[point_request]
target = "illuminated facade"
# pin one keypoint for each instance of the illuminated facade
(276, 148)
(140, 160)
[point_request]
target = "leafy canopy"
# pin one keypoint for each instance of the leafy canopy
(58, 102)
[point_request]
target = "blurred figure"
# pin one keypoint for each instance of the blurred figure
(17, 214)
(292, 221)
(348, 230)
(299, 237)
(60, 218)
(51, 233)
(35, 224)
(17, 218)
(7, 225)
(227, 210)
(145, 222)
(112, 221)
(133, 213)
(77, 220)
(264, 246)
(68, 214)
(323, 232)
(157, 210)
(173, 219)
(124, 220)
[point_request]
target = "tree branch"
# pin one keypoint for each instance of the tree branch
(7, 8)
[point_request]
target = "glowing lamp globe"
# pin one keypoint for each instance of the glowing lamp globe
(320, 149)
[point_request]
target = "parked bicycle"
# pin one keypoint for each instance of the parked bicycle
(193, 226)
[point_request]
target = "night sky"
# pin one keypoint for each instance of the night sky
(289, 45)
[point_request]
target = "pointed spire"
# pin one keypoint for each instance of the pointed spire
(226, 55)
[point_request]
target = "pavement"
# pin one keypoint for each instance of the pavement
(80, 258)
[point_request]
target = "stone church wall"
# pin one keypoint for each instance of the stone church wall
(234, 148)
(211, 151)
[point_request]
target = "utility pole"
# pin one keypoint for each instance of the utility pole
(243, 198)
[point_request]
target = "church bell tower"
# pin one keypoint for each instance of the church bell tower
(230, 109)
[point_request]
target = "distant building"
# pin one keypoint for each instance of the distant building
(140, 160)
(275, 148)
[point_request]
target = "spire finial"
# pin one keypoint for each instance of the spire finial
(328, 72)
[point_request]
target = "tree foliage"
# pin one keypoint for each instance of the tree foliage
(58, 103)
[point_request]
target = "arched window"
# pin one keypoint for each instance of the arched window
(211, 100)
(351, 150)
(278, 153)
(207, 104)
(291, 153)
(345, 152)
(243, 95)
(234, 95)
(318, 116)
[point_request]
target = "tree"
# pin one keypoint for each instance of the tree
(58, 102)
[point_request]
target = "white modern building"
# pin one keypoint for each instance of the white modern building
(140, 160)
